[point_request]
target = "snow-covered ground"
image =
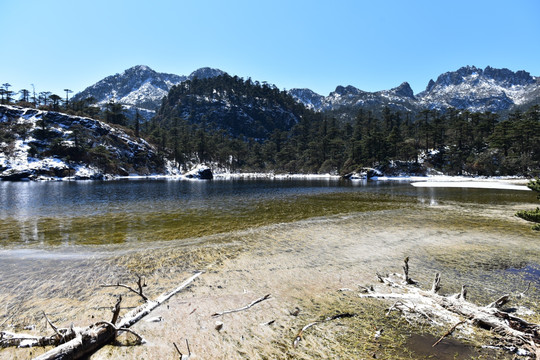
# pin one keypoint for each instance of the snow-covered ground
(473, 184)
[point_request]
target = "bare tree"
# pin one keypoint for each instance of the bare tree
(34, 99)
(25, 95)
(68, 91)
(7, 92)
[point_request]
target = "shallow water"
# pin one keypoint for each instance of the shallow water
(68, 214)
(60, 241)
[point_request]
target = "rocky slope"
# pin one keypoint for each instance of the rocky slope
(480, 90)
(139, 87)
(46, 144)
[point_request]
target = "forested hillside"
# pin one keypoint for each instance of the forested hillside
(47, 144)
(245, 125)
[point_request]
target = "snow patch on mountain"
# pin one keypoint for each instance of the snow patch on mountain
(479, 90)
(48, 144)
(470, 88)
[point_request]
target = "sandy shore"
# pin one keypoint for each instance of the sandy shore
(302, 265)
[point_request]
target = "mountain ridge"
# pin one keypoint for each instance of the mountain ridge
(469, 88)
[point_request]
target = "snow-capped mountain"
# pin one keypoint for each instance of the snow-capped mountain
(480, 90)
(308, 97)
(469, 88)
(139, 87)
(350, 98)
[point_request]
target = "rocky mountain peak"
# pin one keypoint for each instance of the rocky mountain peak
(404, 90)
(430, 85)
(308, 97)
(509, 77)
(457, 77)
(347, 90)
(473, 75)
(139, 87)
(138, 69)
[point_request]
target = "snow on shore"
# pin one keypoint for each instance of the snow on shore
(471, 184)
(272, 176)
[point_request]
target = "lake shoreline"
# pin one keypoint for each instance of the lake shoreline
(481, 182)
(340, 242)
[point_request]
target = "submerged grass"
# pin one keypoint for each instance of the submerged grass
(115, 228)
(372, 333)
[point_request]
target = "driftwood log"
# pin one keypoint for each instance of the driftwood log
(77, 343)
(455, 309)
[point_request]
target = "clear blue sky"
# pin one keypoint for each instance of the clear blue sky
(373, 45)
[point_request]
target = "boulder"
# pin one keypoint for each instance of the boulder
(16, 175)
(200, 172)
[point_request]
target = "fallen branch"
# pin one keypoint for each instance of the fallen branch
(8, 339)
(88, 340)
(182, 356)
(449, 332)
(116, 311)
(299, 337)
(265, 297)
(140, 285)
(413, 302)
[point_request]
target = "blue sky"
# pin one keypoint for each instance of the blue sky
(373, 45)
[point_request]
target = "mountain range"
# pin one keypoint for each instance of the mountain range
(469, 88)
(139, 87)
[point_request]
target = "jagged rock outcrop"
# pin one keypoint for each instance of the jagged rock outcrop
(469, 88)
(478, 90)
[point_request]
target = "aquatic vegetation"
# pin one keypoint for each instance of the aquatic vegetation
(156, 225)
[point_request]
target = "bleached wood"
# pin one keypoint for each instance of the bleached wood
(265, 297)
(451, 308)
(89, 340)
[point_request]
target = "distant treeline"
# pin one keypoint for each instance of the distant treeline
(456, 143)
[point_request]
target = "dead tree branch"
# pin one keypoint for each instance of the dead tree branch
(265, 297)
(448, 333)
(299, 337)
(86, 341)
(140, 285)
(413, 301)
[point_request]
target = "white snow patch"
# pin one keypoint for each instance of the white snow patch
(471, 185)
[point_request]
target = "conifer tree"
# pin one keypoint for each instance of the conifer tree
(532, 215)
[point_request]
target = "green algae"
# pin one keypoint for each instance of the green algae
(147, 226)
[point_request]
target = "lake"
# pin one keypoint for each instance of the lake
(299, 240)
(93, 212)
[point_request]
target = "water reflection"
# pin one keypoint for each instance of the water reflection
(428, 196)
(90, 212)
